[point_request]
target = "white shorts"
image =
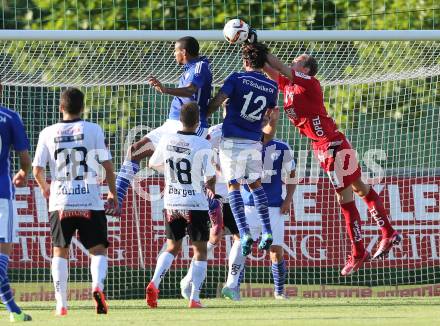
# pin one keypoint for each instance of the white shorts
(171, 127)
(240, 159)
(276, 222)
(8, 221)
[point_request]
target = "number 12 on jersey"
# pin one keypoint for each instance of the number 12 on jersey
(256, 106)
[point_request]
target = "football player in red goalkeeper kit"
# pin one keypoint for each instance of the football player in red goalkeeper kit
(304, 106)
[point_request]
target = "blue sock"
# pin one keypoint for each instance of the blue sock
(261, 205)
(124, 179)
(5, 290)
(237, 208)
(279, 276)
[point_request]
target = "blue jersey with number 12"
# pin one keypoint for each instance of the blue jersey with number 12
(250, 94)
(12, 134)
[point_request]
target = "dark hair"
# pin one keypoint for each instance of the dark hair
(72, 100)
(255, 54)
(189, 114)
(190, 44)
(310, 62)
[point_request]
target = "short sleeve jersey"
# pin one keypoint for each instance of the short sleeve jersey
(187, 161)
(278, 160)
(12, 136)
(304, 105)
(250, 94)
(197, 72)
(73, 150)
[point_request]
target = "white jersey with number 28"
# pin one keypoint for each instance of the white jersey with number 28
(73, 150)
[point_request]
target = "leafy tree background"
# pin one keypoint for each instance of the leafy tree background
(203, 14)
(355, 119)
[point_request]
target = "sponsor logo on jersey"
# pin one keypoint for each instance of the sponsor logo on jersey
(289, 93)
(317, 127)
(275, 155)
(2, 119)
(291, 113)
(180, 143)
(69, 130)
(67, 139)
(302, 75)
(177, 149)
(258, 86)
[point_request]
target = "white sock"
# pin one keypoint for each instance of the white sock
(164, 262)
(98, 268)
(236, 264)
(210, 250)
(60, 273)
(198, 276)
(187, 277)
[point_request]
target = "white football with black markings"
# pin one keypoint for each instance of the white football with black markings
(236, 31)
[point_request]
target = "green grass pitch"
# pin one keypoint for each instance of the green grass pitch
(249, 312)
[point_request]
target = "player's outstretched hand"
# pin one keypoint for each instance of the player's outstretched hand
(285, 207)
(252, 36)
(45, 190)
(273, 114)
(111, 207)
(20, 179)
(153, 81)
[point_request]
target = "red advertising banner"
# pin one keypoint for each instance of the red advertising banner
(315, 232)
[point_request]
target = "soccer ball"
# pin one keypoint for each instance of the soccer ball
(236, 31)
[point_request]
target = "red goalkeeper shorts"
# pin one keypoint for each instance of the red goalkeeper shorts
(339, 160)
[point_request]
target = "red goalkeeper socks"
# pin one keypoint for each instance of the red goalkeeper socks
(378, 212)
(353, 225)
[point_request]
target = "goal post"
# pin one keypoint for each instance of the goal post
(216, 35)
(381, 87)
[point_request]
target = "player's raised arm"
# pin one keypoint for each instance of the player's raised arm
(186, 91)
(216, 102)
(303, 68)
(271, 72)
(275, 66)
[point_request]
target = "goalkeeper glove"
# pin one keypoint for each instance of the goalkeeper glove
(252, 36)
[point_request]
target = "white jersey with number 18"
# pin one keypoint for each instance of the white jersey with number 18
(187, 162)
(73, 150)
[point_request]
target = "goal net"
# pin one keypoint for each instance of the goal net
(382, 93)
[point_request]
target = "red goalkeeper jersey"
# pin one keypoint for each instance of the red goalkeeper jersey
(304, 105)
